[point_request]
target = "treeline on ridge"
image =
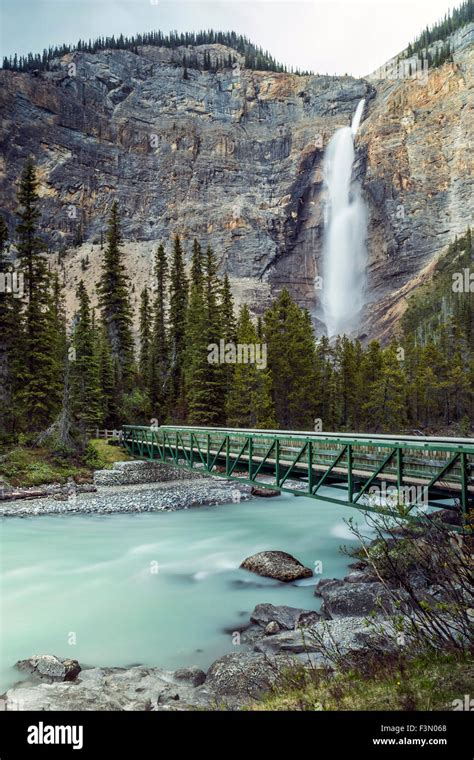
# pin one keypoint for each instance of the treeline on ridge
(255, 57)
(453, 20)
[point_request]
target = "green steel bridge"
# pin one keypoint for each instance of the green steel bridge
(369, 472)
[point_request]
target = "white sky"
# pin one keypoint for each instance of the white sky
(347, 36)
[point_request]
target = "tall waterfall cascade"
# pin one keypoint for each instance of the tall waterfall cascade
(345, 223)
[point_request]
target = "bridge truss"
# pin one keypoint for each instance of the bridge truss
(370, 472)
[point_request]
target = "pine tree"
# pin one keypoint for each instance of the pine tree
(86, 395)
(145, 339)
(227, 311)
(107, 381)
(160, 363)
(10, 330)
(216, 372)
(372, 371)
(348, 360)
(38, 401)
(228, 329)
(115, 305)
(197, 370)
(58, 338)
(177, 329)
(292, 360)
(324, 385)
(249, 402)
(197, 266)
(386, 403)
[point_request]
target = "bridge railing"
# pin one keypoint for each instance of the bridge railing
(356, 464)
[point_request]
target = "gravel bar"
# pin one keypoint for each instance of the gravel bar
(146, 497)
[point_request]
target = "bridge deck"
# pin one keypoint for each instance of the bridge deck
(422, 470)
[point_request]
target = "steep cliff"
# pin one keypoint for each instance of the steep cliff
(234, 158)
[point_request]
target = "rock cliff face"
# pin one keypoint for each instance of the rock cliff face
(234, 158)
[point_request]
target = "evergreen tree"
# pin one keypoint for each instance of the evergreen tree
(324, 385)
(216, 379)
(115, 305)
(86, 394)
(107, 381)
(177, 329)
(159, 352)
(10, 330)
(197, 370)
(228, 329)
(145, 339)
(292, 360)
(249, 402)
(38, 398)
(385, 406)
(227, 313)
(58, 338)
(348, 357)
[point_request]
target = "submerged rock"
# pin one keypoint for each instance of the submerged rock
(276, 564)
(48, 667)
(264, 492)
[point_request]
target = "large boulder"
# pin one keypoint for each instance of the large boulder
(343, 636)
(355, 599)
(287, 618)
(49, 668)
(275, 564)
(243, 674)
(294, 642)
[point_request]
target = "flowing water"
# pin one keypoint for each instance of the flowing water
(154, 588)
(344, 253)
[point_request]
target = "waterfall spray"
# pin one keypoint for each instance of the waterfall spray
(344, 251)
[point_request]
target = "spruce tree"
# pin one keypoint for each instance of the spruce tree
(58, 338)
(39, 363)
(107, 381)
(385, 406)
(145, 339)
(86, 395)
(228, 330)
(249, 402)
(291, 349)
(197, 370)
(160, 363)
(178, 295)
(10, 332)
(115, 305)
(216, 376)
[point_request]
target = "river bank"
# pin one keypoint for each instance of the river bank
(283, 659)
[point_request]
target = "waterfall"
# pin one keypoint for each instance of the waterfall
(344, 250)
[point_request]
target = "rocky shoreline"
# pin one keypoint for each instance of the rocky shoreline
(272, 641)
(355, 615)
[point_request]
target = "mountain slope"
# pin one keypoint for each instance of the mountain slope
(234, 157)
